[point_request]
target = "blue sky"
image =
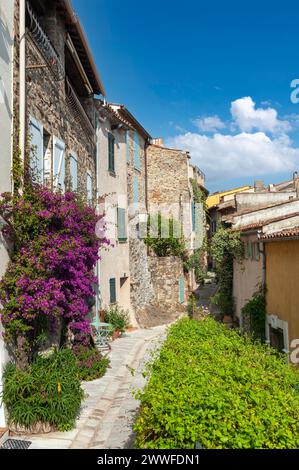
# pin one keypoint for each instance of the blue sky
(210, 77)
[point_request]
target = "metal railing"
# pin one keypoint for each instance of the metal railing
(78, 110)
(45, 46)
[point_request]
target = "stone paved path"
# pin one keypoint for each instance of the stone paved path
(110, 408)
(204, 294)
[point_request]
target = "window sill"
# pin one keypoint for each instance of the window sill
(122, 240)
(112, 173)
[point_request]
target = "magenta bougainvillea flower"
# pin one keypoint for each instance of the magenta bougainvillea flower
(51, 273)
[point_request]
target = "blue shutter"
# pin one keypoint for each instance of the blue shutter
(193, 216)
(135, 191)
(128, 146)
(182, 289)
(36, 134)
(112, 287)
(121, 224)
(74, 172)
(137, 164)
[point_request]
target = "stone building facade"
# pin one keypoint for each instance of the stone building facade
(61, 80)
(114, 266)
(141, 287)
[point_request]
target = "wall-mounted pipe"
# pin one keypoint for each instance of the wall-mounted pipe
(22, 74)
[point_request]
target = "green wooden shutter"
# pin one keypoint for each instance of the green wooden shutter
(121, 224)
(137, 163)
(112, 287)
(111, 163)
(182, 289)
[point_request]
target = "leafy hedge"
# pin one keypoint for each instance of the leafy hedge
(213, 388)
(48, 391)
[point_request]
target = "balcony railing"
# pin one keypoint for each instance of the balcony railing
(78, 110)
(44, 44)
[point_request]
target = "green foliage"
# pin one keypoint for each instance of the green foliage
(90, 362)
(226, 246)
(195, 262)
(48, 391)
(117, 317)
(254, 314)
(172, 245)
(213, 388)
(199, 196)
(191, 306)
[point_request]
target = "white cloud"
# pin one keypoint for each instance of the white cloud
(209, 123)
(248, 117)
(225, 156)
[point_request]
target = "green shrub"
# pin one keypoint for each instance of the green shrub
(90, 362)
(171, 245)
(213, 388)
(118, 318)
(254, 315)
(48, 391)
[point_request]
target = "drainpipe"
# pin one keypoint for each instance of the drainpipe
(22, 73)
(98, 271)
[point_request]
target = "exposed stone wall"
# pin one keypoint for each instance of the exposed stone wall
(165, 307)
(47, 102)
(168, 181)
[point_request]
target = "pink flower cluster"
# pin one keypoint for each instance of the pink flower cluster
(51, 274)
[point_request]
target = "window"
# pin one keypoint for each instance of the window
(74, 172)
(89, 191)
(128, 146)
(121, 225)
(182, 290)
(137, 163)
(135, 191)
(111, 153)
(36, 133)
(257, 252)
(59, 163)
(112, 288)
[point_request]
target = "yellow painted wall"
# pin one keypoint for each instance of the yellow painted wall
(282, 278)
(214, 199)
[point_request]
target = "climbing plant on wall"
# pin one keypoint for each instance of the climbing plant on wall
(225, 247)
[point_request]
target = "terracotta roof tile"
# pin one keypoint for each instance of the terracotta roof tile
(286, 233)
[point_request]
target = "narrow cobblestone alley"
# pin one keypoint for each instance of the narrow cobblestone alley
(109, 409)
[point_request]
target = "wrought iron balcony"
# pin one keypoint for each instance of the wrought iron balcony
(78, 110)
(45, 46)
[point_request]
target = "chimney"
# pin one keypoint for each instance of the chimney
(158, 141)
(259, 186)
(295, 175)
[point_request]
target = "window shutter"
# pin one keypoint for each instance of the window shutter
(112, 287)
(111, 163)
(182, 289)
(59, 163)
(258, 255)
(128, 146)
(137, 164)
(121, 224)
(193, 216)
(89, 188)
(135, 191)
(74, 172)
(36, 133)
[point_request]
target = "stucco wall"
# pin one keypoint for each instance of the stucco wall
(282, 279)
(248, 275)
(6, 114)
(115, 261)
